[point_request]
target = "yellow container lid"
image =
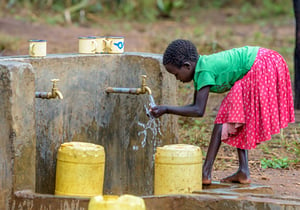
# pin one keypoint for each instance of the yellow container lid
(81, 152)
(131, 202)
(178, 154)
(111, 202)
(104, 202)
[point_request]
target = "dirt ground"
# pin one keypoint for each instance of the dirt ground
(139, 38)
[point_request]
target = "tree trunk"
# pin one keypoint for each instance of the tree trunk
(297, 54)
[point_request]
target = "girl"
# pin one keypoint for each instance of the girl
(259, 102)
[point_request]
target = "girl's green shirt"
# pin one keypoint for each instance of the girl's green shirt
(221, 70)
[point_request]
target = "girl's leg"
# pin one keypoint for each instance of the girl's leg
(243, 174)
(212, 151)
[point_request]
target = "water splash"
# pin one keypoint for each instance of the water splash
(153, 125)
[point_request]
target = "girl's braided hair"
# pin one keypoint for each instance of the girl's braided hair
(180, 51)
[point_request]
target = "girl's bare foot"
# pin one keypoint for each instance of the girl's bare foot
(238, 177)
(206, 181)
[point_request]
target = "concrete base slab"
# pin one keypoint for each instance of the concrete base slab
(215, 196)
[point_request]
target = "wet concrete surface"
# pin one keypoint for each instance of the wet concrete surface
(221, 188)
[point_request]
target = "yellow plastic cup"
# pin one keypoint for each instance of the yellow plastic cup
(178, 169)
(80, 169)
(111, 202)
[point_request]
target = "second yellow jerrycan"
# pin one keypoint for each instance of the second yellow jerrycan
(178, 169)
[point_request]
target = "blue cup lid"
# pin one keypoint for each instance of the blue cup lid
(37, 40)
(87, 37)
(116, 37)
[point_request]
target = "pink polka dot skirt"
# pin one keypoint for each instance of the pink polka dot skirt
(259, 104)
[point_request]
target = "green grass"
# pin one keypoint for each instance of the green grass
(9, 43)
(277, 163)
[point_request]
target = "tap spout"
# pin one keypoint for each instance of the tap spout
(58, 95)
(136, 91)
(49, 95)
(148, 90)
(55, 93)
(145, 88)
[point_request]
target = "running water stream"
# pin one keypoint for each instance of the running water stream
(153, 125)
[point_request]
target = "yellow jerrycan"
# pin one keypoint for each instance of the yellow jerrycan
(178, 169)
(80, 169)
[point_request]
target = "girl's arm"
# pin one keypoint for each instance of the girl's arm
(196, 109)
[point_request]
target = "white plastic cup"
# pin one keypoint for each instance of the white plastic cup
(114, 44)
(37, 48)
(87, 45)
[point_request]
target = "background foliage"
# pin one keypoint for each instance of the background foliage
(148, 10)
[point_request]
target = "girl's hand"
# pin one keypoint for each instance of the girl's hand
(158, 111)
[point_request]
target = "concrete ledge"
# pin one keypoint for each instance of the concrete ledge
(28, 200)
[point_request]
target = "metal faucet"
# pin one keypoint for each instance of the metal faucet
(55, 93)
(142, 90)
